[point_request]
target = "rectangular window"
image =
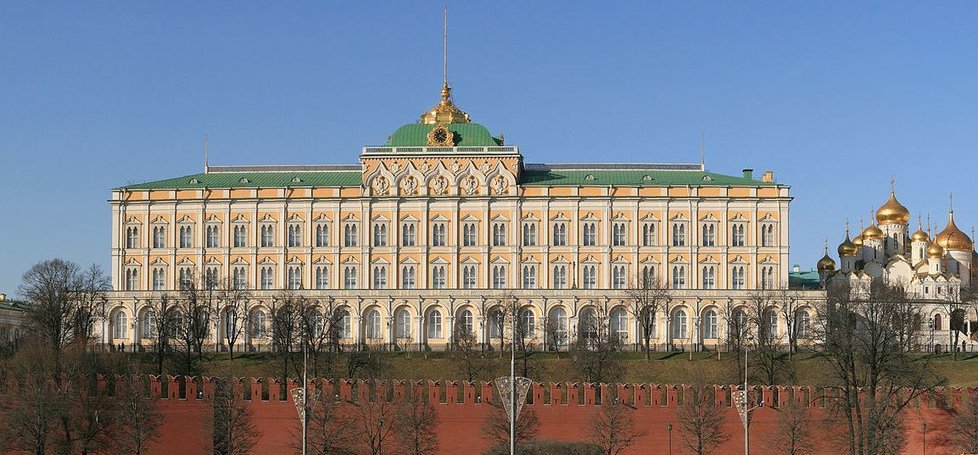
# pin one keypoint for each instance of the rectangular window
(409, 232)
(529, 234)
(380, 277)
(678, 234)
(350, 234)
(267, 235)
(619, 234)
(240, 232)
(529, 277)
(737, 237)
(322, 235)
(267, 277)
(469, 277)
(648, 234)
(408, 277)
(186, 236)
(380, 234)
(468, 234)
(590, 234)
(294, 235)
(498, 234)
(560, 234)
(438, 234)
(213, 234)
(709, 234)
(322, 277)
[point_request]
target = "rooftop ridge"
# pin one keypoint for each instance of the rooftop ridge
(284, 168)
(614, 166)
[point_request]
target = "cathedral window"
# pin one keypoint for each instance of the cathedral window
(267, 239)
(409, 277)
(619, 277)
(322, 235)
(678, 234)
(499, 277)
(590, 234)
(438, 234)
(590, 277)
(560, 234)
(380, 277)
(469, 234)
(648, 234)
(529, 234)
(212, 234)
(619, 234)
(380, 234)
(737, 236)
(498, 234)
(349, 277)
(709, 234)
(409, 234)
(529, 277)
(159, 236)
(679, 277)
(560, 277)
(350, 234)
(469, 278)
(240, 235)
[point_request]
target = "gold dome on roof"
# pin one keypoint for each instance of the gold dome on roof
(858, 241)
(920, 235)
(935, 251)
(445, 112)
(872, 232)
(847, 247)
(892, 212)
(826, 263)
(952, 238)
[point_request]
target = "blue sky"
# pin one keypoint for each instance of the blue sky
(834, 97)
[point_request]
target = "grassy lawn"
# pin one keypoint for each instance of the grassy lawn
(663, 368)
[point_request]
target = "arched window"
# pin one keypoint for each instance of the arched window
(737, 277)
(342, 323)
(380, 277)
(322, 277)
(267, 235)
(496, 322)
(148, 324)
(803, 325)
(402, 324)
(710, 325)
(529, 234)
(259, 324)
(529, 277)
(590, 277)
(498, 276)
(380, 234)
(159, 236)
(557, 326)
(619, 277)
(679, 331)
(498, 234)
(230, 322)
(434, 324)
(294, 235)
(468, 234)
(588, 325)
(648, 234)
(590, 234)
(560, 277)
(120, 325)
(619, 234)
(619, 324)
(409, 234)
(560, 234)
(527, 324)
(213, 234)
(267, 277)
(468, 277)
(322, 235)
(372, 325)
(709, 277)
(771, 324)
(349, 277)
(350, 235)
(438, 277)
(679, 277)
(466, 322)
(937, 322)
(295, 277)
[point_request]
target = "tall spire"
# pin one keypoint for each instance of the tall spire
(206, 165)
(445, 111)
(702, 151)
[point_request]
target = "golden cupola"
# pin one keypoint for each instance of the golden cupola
(872, 232)
(858, 241)
(847, 247)
(445, 111)
(952, 238)
(935, 251)
(920, 235)
(892, 212)
(826, 264)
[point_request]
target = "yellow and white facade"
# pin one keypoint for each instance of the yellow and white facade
(440, 224)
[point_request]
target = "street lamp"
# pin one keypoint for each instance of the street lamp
(742, 403)
(669, 427)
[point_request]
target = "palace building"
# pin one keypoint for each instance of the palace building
(438, 225)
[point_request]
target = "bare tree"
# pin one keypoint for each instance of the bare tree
(787, 305)
(466, 351)
(375, 419)
(769, 361)
(234, 303)
(232, 430)
(524, 339)
(320, 333)
(874, 376)
(954, 308)
(597, 351)
(64, 300)
(287, 311)
(30, 413)
(554, 334)
(964, 429)
(737, 329)
(700, 420)
(415, 430)
(196, 307)
(497, 318)
(495, 427)
(329, 428)
(613, 427)
(163, 313)
(140, 418)
(794, 429)
(646, 298)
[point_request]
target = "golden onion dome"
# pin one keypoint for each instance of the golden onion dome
(872, 232)
(445, 111)
(952, 238)
(892, 212)
(826, 264)
(847, 248)
(935, 251)
(858, 241)
(919, 236)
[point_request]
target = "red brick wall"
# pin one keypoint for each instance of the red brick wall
(564, 410)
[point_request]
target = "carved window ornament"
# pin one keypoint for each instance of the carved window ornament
(500, 185)
(380, 186)
(439, 185)
(410, 185)
(471, 185)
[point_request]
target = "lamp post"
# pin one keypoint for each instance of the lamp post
(744, 408)
(669, 427)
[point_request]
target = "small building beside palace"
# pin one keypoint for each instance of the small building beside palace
(442, 223)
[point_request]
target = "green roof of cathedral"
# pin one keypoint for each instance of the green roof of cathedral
(466, 134)
(529, 177)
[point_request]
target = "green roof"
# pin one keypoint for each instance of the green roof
(466, 134)
(624, 177)
(804, 280)
(253, 180)
(13, 305)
